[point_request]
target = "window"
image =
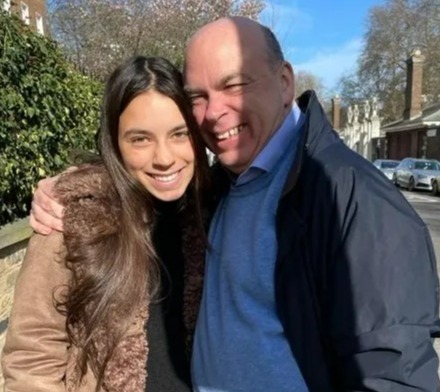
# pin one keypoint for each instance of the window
(39, 22)
(7, 5)
(24, 12)
(389, 164)
(426, 165)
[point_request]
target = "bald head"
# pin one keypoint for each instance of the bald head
(249, 32)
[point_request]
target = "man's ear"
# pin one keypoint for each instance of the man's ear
(287, 83)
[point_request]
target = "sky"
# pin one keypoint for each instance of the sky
(324, 37)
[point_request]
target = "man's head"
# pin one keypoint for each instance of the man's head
(240, 87)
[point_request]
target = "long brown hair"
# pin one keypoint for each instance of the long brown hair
(121, 270)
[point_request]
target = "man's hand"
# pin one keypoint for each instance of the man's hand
(46, 213)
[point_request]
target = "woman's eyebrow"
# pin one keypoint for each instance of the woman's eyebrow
(144, 131)
(179, 127)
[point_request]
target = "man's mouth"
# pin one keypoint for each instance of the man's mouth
(228, 134)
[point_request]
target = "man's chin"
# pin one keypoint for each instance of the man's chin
(232, 162)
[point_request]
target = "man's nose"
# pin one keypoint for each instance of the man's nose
(215, 108)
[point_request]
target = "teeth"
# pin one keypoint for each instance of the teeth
(228, 134)
(168, 178)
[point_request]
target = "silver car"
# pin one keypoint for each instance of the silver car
(412, 173)
(436, 186)
(386, 166)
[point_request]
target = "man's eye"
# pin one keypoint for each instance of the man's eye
(195, 99)
(235, 87)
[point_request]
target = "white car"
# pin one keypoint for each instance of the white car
(412, 173)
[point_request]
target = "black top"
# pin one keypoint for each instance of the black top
(168, 366)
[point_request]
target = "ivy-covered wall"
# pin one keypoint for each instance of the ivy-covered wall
(47, 110)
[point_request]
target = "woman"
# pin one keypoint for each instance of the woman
(131, 255)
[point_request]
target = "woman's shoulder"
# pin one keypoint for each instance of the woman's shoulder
(91, 202)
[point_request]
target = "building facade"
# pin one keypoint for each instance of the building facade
(417, 133)
(362, 130)
(31, 12)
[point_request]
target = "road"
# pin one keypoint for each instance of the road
(428, 207)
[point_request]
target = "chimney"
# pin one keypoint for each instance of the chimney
(414, 76)
(336, 112)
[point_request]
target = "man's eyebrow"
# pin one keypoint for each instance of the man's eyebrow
(192, 91)
(219, 85)
(226, 79)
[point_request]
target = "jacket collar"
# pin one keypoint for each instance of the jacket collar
(314, 136)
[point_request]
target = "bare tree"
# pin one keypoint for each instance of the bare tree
(394, 30)
(305, 80)
(98, 34)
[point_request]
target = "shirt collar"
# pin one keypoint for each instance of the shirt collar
(268, 157)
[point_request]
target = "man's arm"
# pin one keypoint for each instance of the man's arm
(383, 293)
(46, 214)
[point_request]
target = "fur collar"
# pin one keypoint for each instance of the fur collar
(93, 206)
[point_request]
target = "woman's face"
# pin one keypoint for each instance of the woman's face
(155, 145)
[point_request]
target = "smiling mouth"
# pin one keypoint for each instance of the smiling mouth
(228, 134)
(165, 178)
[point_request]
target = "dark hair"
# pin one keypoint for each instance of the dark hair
(274, 51)
(136, 76)
(96, 292)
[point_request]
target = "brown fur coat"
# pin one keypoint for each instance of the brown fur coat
(38, 355)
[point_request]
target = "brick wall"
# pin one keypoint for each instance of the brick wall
(414, 77)
(13, 242)
(36, 7)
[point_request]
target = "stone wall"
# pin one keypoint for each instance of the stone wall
(13, 242)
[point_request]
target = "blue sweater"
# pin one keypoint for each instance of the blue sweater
(239, 342)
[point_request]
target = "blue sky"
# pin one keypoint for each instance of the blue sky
(324, 37)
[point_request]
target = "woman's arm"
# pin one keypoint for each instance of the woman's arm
(34, 357)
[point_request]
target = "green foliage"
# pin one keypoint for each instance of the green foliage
(47, 110)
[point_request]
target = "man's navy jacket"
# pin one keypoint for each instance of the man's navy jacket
(356, 279)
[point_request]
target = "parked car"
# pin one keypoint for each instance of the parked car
(386, 166)
(412, 173)
(435, 183)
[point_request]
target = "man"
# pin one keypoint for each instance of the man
(320, 276)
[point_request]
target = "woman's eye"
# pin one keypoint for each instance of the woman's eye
(181, 135)
(139, 140)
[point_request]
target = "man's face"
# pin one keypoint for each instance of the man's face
(239, 99)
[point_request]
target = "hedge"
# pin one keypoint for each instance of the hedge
(47, 110)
